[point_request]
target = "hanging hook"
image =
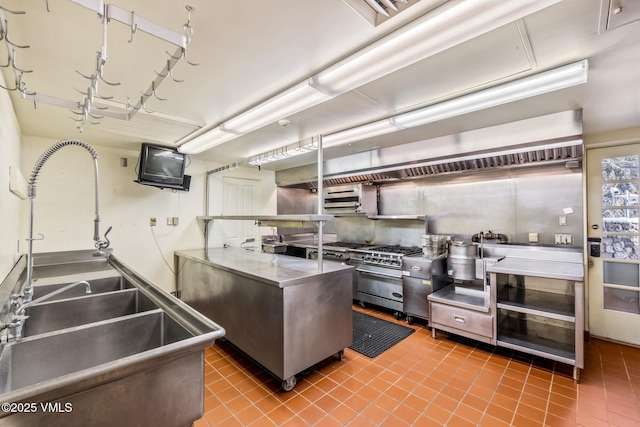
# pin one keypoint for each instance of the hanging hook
(168, 70)
(106, 98)
(6, 37)
(27, 93)
(134, 26)
(183, 55)
(13, 12)
(153, 92)
(143, 107)
(10, 89)
(12, 58)
(92, 77)
(100, 70)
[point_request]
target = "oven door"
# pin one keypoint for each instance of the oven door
(380, 286)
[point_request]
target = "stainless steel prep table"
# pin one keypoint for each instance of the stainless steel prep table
(540, 268)
(277, 309)
(540, 307)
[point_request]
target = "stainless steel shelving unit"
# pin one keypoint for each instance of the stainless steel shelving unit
(540, 308)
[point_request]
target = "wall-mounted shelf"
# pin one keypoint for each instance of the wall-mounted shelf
(398, 217)
(289, 221)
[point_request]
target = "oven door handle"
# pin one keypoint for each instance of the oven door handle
(378, 273)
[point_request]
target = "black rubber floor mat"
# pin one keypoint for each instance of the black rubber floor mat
(373, 336)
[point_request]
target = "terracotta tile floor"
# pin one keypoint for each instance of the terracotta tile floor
(428, 382)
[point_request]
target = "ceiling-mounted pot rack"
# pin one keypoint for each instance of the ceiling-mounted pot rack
(86, 110)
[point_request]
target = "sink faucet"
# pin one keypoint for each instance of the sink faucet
(99, 244)
(18, 318)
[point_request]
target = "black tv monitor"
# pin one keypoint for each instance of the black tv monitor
(162, 167)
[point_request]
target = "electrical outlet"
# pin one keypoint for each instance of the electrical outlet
(152, 221)
(533, 237)
(176, 221)
(169, 220)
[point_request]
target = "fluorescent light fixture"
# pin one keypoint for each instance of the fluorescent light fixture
(537, 84)
(282, 153)
(453, 23)
(359, 133)
(291, 101)
(207, 140)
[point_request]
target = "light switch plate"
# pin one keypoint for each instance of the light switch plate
(533, 237)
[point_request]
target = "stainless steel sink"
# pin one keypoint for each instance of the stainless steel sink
(72, 350)
(53, 314)
(129, 354)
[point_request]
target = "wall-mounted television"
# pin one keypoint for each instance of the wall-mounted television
(163, 167)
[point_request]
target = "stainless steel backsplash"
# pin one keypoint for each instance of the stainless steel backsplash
(513, 202)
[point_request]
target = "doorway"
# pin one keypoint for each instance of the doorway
(241, 197)
(613, 182)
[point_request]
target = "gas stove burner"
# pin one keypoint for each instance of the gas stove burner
(402, 250)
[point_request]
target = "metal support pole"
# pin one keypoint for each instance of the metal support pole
(320, 202)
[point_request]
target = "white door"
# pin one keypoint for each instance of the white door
(241, 197)
(613, 180)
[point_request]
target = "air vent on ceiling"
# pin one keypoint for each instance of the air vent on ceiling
(378, 11)
(616, 13)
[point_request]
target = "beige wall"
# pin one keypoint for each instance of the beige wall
(64, 207)
(10, 204)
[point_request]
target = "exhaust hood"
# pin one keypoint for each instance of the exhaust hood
(545, 140)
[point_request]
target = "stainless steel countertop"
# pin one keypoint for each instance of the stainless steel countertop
(539, 268)
(273, 269)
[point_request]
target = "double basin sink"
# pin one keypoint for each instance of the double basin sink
(125, 354)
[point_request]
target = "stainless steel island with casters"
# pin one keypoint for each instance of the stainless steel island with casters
(277, 309)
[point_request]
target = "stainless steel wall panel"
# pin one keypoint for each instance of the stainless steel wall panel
(514, 202)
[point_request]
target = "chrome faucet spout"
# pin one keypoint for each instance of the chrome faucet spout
(22, 307)
(32, 194)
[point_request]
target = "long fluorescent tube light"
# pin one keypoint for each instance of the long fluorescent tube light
(207, 140)
(447, 26)
(359, 133)
(291, 101)
(282, 153)
(537, 84)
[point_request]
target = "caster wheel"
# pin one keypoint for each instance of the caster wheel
(362, 304)
(289, 383)
(409, 320)
(398, 315)
(340, 355)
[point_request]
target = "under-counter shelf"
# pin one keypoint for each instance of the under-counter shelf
(552, 305)
(462, 298)
(537, 336)
(539, 307)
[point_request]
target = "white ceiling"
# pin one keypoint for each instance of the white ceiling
(251, 50)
